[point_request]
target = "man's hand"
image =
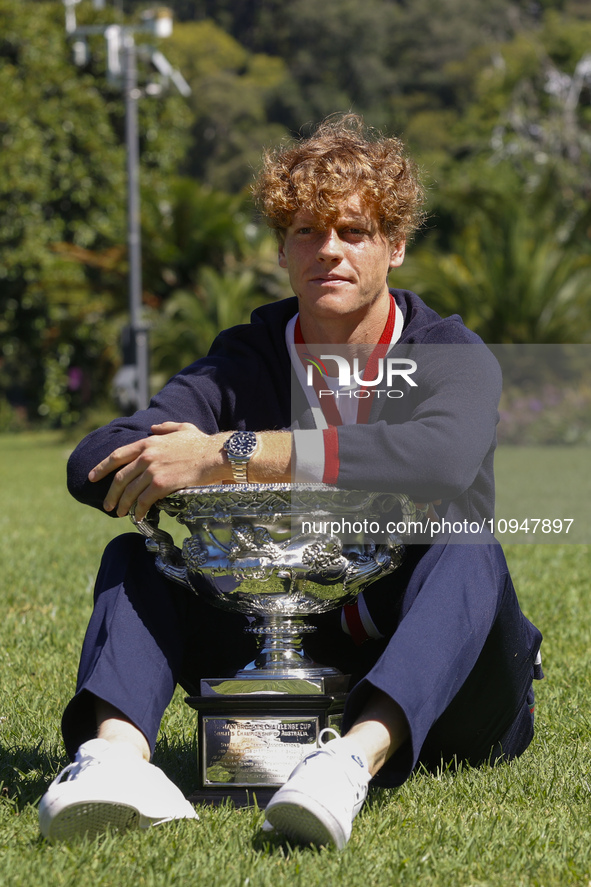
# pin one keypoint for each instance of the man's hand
(177, 455)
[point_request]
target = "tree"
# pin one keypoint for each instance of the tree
(232, 90)
(384, 58)
(510, 224)
(514, 269)
(211, 266)
(526, 101)
(546, 122)
(62, 210)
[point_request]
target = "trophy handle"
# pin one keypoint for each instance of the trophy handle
(169, 557)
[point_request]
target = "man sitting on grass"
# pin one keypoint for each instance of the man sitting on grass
(442, 657)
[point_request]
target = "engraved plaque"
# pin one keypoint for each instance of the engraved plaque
(255, 751)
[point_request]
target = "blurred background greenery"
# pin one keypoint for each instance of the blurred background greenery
(493, 98)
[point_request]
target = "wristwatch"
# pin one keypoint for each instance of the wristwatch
(240, 447)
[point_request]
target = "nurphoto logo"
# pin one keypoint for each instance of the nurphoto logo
(388, 369)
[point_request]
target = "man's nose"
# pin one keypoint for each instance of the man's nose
(330, 246)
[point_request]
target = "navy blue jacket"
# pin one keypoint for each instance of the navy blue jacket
(436, 442)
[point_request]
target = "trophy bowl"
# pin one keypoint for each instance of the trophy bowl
(276, 553)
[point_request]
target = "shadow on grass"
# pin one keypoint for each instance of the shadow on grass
(274, 844)
(25, 773)
(179, 762)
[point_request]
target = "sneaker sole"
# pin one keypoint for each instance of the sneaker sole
(303, 825)
(90, 819)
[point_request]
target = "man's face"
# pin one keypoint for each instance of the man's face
(340, 269)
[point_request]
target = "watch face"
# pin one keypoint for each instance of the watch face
(241, 444)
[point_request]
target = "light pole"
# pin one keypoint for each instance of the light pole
(138, 327)
(133, 378)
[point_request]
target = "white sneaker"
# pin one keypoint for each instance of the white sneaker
(322, 797)
(108, 785)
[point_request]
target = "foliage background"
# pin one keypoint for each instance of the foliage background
(491, 96)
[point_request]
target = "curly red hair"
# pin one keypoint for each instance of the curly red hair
(340, 158)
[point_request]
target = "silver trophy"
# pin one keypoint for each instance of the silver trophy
(276, 553)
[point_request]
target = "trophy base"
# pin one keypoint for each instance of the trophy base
(253, 732)
(240, 797)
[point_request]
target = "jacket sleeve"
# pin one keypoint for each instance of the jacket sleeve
(436, 447)
(194, 395)
(241, 384)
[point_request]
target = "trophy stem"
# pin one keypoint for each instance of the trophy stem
(280, 649)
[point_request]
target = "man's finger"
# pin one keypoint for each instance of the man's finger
(166, 427)
(120, 484)
(133, 493)
(117, 459)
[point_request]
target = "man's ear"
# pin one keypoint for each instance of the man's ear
(397, 254)
(281, 255)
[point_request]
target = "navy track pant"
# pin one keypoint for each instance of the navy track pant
(458, 654)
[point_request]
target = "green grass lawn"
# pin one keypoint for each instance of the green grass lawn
(526, 823)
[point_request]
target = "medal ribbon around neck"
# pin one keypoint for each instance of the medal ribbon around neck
(328, 406)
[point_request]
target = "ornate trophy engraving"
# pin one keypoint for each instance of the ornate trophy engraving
(273, 553)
